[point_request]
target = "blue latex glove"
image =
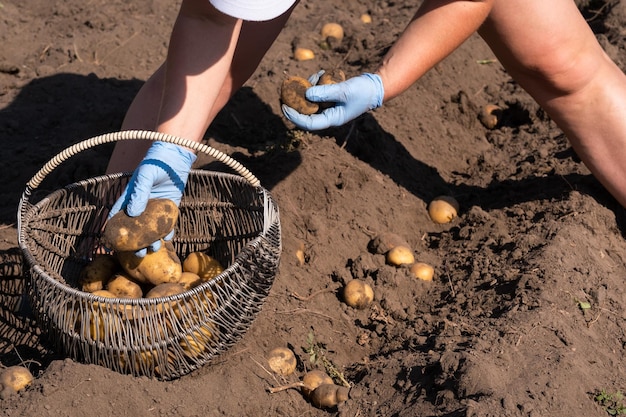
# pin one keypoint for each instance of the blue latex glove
(351, 98)
(162, 173)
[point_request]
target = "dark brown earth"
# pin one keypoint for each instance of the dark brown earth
(525, 316)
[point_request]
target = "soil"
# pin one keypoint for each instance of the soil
(526, 312)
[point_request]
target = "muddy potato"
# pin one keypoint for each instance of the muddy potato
(490, 116)
(129, 234)
(203, 265)
(154, 268)
(329, 395)
(358, 294)
(16, 378)
(333, 76)
(314, 379)
(124, 286)
(400, 255)
(443, 209)
(96, 273)
(293, 94)
(282, 360)
(384, 242)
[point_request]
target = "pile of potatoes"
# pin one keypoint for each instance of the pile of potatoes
(316, 385)
(161, 273)
(398, 253)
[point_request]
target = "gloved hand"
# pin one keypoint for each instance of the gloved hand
(162, 173)
(351, 98)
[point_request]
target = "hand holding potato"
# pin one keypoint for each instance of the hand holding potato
(161, 174)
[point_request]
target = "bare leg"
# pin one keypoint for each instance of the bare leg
(143, 114)
(549, 49)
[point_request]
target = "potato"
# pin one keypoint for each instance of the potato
(102, 321)
(165, 289)
(196, 343)
(282, 360)
(443, 209)
(332, 30)
(144, 359)
(293, 94)
(129, 234)
(333, 76)
(124, 286)
(203, 265)
(490, 115)
(329, 395)
(189, 280)
(303, 54)
(423, 271)
(155, 268)
(16, 378)
(358, 294)
(384, 242)
(314, 379)
(96, 273)
(366, 18)
(400, 255)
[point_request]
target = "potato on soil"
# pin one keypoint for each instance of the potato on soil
(203, 265)
(329, 395)
(16, 378)
(124, 286)
(384, 242)
(358, 294)
(443, 209)
(303, 54)
(154, 268)
(282, 360)
(423, 271)
(332, 30)
(293, 94)
(314, 379)
(129, 234)
(490, 116)
(400, 255)
(96, 273)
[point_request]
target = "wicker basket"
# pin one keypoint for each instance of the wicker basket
(230, 217)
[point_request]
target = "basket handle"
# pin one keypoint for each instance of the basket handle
(139, 134)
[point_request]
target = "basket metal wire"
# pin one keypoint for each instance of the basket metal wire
(230, 217)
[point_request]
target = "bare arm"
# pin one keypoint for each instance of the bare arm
(436, 30)
(198, 95)
(201, 50)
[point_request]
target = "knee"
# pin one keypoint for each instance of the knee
(564, 69)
